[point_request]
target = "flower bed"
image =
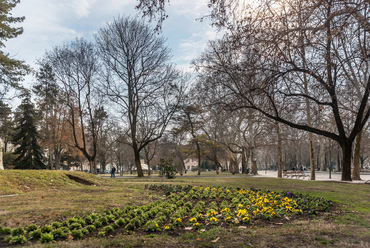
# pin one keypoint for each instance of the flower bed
(185, 208)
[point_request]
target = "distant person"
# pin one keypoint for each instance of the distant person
(304, 170)
(112, 173)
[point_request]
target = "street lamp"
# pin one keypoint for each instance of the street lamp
(285, 160)
(329, 158)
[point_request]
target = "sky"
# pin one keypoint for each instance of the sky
(50, 23)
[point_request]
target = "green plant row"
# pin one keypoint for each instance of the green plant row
(195, 207)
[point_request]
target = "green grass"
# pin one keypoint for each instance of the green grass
(48, 196)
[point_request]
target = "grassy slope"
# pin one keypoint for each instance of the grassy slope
(46, 196)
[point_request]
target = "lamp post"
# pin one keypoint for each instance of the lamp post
(329, 158)
(265, 163)
(285, 160)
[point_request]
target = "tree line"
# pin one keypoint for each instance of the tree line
(284, 73)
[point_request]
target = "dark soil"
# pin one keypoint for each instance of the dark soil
(80, 180)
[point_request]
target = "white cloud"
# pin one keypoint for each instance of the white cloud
(80, 7)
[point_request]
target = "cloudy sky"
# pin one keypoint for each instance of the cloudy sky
(51, 22)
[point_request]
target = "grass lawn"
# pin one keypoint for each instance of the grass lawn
(44, 197)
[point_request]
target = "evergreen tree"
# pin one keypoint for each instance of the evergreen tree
(6, 124)
(11, 70)
(29, 151)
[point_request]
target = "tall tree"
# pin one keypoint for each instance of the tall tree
(6, 124)
(30, 154)
(75, 66)
(11, 70)
(261, 57)
(139, 80)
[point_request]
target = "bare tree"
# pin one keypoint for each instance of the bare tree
(75, 66)
(261, 57)
(139, 80)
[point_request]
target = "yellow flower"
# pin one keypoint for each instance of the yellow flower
(156, 225)
(193, 220)
(213, 219)
(196, 224)
(246, 218)
(225, 210)
(166, 227)
(228, 218)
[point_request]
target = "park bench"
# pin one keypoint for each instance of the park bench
(296, 174)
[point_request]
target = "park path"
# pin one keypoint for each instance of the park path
(320, 176)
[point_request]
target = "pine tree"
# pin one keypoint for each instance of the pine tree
(6, 124)
(11, 70)
(29, 151)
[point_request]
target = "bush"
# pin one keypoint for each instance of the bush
(59, 234)
(56, 225)
(167, 168)
(5, 230)
(46, 229)
(120, 222)
(17, 231)
(21, 239)
(77, 234)
(108, 229)
(35, 234)
(75, 226)
(31, 228)
(90, 228)
(8, 160)
(46, 238)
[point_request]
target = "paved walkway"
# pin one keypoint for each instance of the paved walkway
(320, 176)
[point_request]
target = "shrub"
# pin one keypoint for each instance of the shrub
(108, 229)
(75, 226)
(56, 225)
(35, 234)
(21, 239)
(98, 223)
(59, 234)
(17, 231)
(130, 227)
(91, 228)
(46, 229)
(5, 230)
(167, 168)
(89, 220)
(31, 228)
(46, 238)
(120, 222)
(77, 234)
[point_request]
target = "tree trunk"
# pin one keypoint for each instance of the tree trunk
(347, 156)
(57, 160)
(280, 153)
(199, 157)
(50, 159)
(244, 161)
(138, 164)
(254, 164)
(312, 158)
(356, 157)
(91, 164)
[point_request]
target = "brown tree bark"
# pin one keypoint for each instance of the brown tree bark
(356, 157)
(280, 154)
